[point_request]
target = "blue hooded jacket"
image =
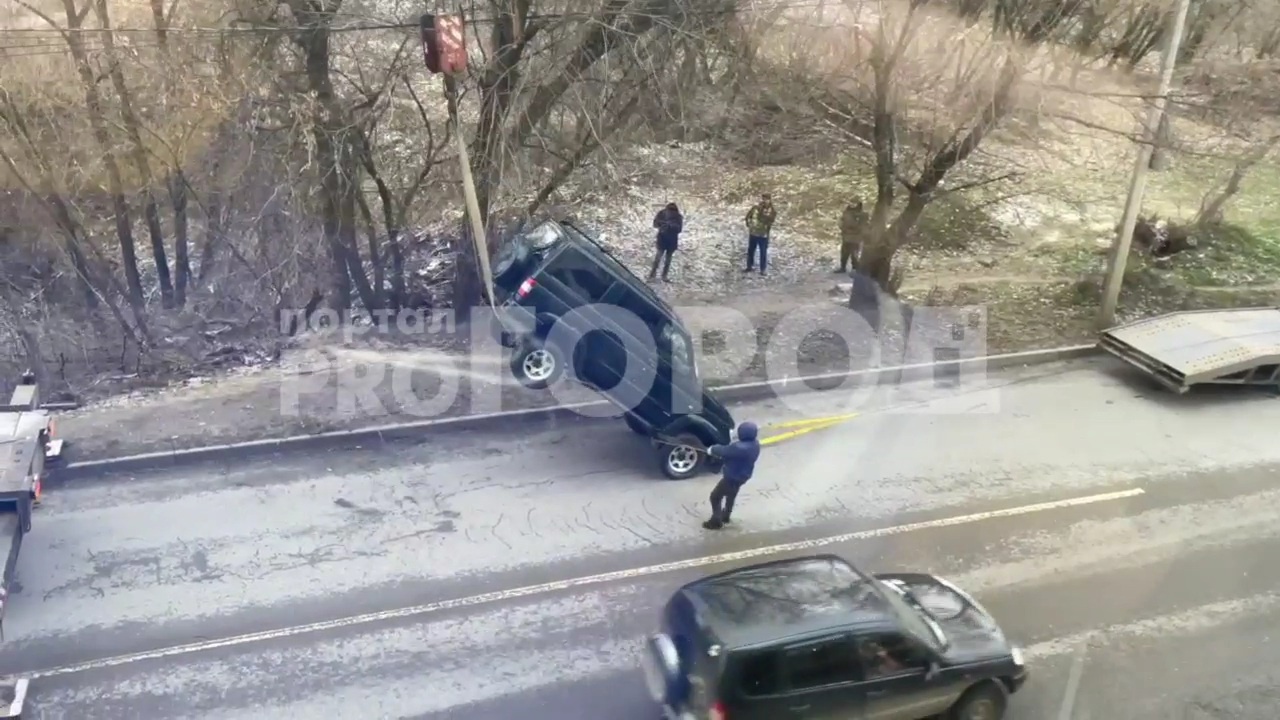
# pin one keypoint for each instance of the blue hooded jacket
(740, 455)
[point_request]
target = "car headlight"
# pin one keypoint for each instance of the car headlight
(1016, 654)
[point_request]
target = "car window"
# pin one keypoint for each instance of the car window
(649, 313)
(823, 663)
(610, 262)
(580, 276)
(759, 675)
(678, 346)
(889, 654)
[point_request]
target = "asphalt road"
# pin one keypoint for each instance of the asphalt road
(439, 580)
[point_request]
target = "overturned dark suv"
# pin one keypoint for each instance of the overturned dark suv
(815, 638)
(567, 305)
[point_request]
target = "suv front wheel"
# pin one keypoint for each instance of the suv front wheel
(982, 702)
(682, 456)
(536, 364)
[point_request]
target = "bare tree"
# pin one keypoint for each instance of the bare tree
(1214, 203)
(74, 36)
(331, 131)
(133, 129)
(922, 113)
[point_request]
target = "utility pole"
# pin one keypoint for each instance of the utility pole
(444, 51)
(1138, 185)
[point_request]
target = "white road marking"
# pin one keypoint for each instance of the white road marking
(1186, 622)
(445, 663)
(573, 583)
(1073, 684)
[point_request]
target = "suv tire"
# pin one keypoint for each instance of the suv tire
(985, 701)
(682, 456)
(536, 364)
(636, 425)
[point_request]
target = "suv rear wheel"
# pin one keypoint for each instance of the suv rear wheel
(536, 364)
(682, 456)
(981, 702)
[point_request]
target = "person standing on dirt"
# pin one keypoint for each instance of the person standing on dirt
(853, 226)
(739, 459)
(669, 223)
(759, 224)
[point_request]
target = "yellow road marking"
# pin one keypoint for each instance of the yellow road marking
(804, 430)
(806, 422)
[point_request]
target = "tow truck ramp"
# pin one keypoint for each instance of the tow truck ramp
(1202, 347)
(27, 446)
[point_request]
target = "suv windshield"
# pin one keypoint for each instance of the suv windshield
(913, 619)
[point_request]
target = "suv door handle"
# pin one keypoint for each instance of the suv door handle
(799, 708)
(876, 693)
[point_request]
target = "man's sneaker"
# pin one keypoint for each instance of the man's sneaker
(712, 525)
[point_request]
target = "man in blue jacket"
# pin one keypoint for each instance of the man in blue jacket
(739, 459)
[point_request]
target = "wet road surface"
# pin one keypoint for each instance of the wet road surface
(446, 579)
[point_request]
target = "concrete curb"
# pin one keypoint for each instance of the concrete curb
(560, 414)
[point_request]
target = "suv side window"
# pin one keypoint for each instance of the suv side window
(759, 675)
(826, 662)
(580, 276)
(678, 347)
(888, 654)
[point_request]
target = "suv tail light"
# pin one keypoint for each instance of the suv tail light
(526, 287)
(718, 712)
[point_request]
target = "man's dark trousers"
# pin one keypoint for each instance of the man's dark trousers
(663, 256)
(754, 243)
(722, 497)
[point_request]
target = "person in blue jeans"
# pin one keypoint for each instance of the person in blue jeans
(759, 224)
(739, 459)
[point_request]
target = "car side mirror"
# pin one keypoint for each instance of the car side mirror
(931, 670)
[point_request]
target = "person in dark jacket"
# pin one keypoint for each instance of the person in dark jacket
(669, 223)
(739, 459)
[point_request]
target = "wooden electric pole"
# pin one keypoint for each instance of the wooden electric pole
(1138, 185)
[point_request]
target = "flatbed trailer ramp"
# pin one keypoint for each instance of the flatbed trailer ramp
(26, 446)
(1218, 347)
(13, 691)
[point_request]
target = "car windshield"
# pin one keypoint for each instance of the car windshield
(913, 619)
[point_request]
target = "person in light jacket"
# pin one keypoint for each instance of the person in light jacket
(759, 224)
(853, 225)
(739, 459)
